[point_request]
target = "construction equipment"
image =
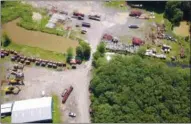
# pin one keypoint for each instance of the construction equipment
(12, 90)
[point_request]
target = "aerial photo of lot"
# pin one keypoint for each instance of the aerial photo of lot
(95, 61)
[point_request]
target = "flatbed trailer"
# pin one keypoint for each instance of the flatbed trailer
(66, 95)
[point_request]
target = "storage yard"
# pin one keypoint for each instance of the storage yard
(93, 23)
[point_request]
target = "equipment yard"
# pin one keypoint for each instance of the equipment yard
(121, 31)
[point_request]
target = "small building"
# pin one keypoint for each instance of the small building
(32, 110)
(137, 41)
(6, 108)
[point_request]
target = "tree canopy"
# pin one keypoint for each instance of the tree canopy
(83, 50)
(132, 89)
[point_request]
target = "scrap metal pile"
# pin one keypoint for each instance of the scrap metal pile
(113, 44)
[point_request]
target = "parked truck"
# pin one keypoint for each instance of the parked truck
(66, 95)
(85, 24)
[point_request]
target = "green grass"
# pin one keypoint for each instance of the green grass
(56, 109)
(116, 4)
(14, 9)
(6, 119)
(37, 52)
(158, 18)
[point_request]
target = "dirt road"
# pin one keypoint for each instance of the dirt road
(38, 79)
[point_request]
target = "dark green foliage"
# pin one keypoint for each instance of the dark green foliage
(99, 54)
(132, 89)
(6, 40)
(83, 51)
(101, 48)
(69, 54)
(173, 12)
(79, 51)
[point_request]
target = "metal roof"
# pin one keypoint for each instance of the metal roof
(6, 105)
(32, 110)
(6, 108)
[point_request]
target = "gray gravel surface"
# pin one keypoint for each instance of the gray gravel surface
(38, 79)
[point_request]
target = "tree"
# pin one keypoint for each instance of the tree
(6, 40)
(79, 51)
(136, 89)
(69, 54)
(101, 48)
(86, 50)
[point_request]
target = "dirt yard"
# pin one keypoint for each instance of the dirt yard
(182, 30)
(38, 79)
(38, 39)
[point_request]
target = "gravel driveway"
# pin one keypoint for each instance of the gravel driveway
(38, 79)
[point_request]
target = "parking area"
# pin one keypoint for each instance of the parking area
(53, 82)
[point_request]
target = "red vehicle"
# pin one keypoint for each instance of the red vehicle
(107, 37)
(137, 41)
(78, 14)
(65, 97)
(135, 13)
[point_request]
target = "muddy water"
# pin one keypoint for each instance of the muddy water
(37, 39)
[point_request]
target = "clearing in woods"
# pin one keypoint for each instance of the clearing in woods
(182, 30)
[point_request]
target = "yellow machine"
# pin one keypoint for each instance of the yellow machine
(12, 90)
(9, 89)
(13, 81)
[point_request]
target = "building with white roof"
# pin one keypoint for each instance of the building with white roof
(32, 110)
(6, 108)
(55, 17)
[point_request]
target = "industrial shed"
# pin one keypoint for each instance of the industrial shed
(6, 108)
(32, 110)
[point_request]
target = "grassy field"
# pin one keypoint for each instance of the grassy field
(116, 4)
(37, 52)
(14, 9)
(6, 119)
(182, 29)
(38, 39)
(56, 109)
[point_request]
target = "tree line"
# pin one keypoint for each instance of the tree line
(134, 89)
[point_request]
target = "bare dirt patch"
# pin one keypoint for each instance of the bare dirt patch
(182, 30)
(37, 39)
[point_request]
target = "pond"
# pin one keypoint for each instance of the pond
(42, 40)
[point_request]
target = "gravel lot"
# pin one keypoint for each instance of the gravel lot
(38, 79)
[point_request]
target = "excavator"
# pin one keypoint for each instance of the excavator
(12, 90)
(16, 78)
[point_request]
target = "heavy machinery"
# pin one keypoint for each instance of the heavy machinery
(12, 90)
(15, 81)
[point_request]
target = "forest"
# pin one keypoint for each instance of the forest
(130, 89)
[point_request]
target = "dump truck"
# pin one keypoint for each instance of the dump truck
(66, 95)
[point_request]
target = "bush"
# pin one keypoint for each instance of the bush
(6, 40)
